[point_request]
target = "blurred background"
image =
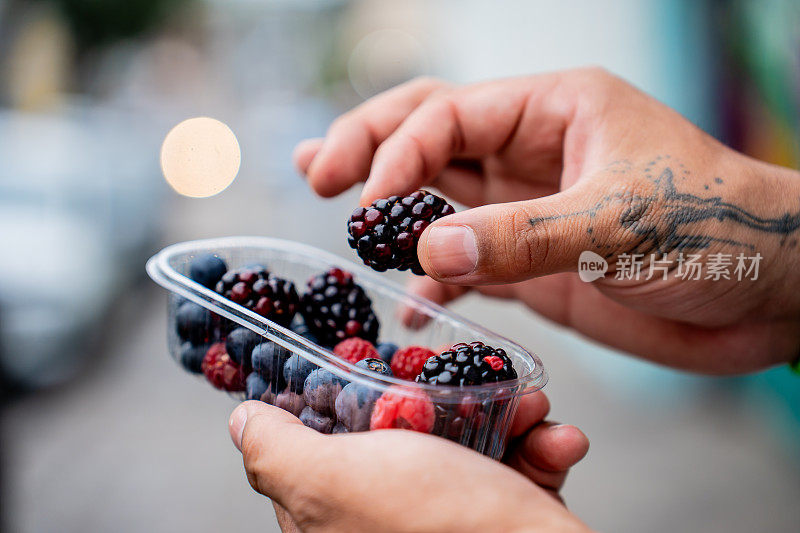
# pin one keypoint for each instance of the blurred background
(101, 431)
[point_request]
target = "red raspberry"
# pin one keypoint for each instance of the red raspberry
(407, 362)
(354, 350)
(221, 370)
(403, 409)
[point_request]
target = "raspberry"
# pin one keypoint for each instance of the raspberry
(386, 234)
(468, 364)
(221, 371)
(407, 362)
(354, 350)
(336, 308)
(403, 410)
(272, 297)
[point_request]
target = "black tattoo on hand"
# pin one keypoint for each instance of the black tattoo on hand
(662, 219)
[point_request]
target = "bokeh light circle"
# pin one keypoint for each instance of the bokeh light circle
(200, 157)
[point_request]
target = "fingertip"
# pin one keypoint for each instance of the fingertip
(326, 179)
(246, 412)
(304, 153)
(556, 448)
(369, 193)
(574, 439)
(236, 424)
(448, 251)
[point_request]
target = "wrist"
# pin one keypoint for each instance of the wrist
(780, 241)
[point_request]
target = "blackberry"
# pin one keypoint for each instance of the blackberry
(386, 234)
(256, 289)
(299, 327)
(467, 364)
(336, 308)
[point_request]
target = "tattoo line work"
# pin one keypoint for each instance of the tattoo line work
(666, 231)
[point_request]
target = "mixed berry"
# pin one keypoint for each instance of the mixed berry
(336, 308)
(385, 235)
(256, 289)
(467, 364)
(334, 312)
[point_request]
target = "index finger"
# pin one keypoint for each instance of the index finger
(470, 122)
(345, 156)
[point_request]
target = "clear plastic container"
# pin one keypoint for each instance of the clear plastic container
(478, 417)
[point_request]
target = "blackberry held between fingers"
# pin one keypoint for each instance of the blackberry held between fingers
(468, 364)
(386, 234)
(336, 308)
(272, 297)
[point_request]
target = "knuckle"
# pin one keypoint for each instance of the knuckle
(596, 88)
(424, 82)
(529, 249)
(537, 241)
(440, 98)
(308, 507)
(343, 121)
(635, 214)
(597, 74)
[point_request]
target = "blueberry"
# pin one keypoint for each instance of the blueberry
(240, 344)
(191, 356)
(258, 388)
(290, 401)
(354, 406)
(256, 267)
(375, 365)
(339, 428)
(268, 359)
(296, 370)
(299, 327)
(321, 389)
(387, 350)
(194, 323)
(315, 420)
(207, 269)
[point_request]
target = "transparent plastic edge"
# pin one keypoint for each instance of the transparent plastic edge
(159, 269)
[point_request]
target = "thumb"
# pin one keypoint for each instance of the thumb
(275, 447)
(506, 243)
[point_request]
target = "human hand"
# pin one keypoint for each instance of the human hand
(398, 480)
(580, 160)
